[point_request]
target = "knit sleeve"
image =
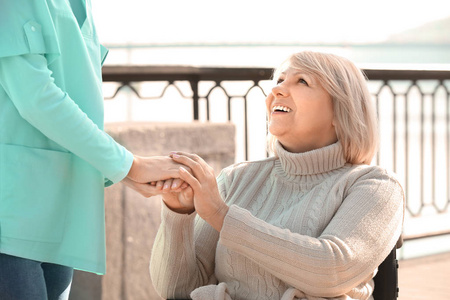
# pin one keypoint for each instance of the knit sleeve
(363, 231)
(182, 260)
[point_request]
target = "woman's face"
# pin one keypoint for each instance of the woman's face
(300, 112)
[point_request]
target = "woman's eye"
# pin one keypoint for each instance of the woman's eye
(279, 81)
(301, 80)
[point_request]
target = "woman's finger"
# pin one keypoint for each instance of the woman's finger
(206, 168)
(197, 166)
(176, 184)
(192, 156)
(191, 180)
(167, 185)
(160, 184)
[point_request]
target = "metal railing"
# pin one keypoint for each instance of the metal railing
(413, 108)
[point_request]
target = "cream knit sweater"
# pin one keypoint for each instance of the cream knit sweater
(300, 226)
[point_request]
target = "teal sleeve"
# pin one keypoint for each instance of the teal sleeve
(45, 106)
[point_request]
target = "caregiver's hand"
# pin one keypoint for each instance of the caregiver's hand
(207, 200)
(145, 189)
(146, 170)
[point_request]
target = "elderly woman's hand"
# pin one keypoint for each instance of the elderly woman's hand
(181, 202)
(176, 194)
(207, 200)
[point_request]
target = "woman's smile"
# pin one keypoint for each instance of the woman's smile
(280, 109)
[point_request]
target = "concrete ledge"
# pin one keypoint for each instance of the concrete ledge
(132, 220)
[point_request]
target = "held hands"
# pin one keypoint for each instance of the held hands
(146, 170)
(202, 195)
(186, 182)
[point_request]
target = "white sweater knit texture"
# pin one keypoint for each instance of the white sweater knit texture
(300, 226)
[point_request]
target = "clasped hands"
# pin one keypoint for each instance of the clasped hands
(185, 181)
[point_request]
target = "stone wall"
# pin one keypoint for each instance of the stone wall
(132, 220)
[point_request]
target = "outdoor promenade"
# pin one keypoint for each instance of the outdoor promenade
(425, 278)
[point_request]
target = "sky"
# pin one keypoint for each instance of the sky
(143, 22)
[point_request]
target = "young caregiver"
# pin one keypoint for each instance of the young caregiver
(55, 158)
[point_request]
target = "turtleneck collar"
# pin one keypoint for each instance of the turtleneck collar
(313, 162)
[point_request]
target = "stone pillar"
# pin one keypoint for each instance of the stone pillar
(132, 220)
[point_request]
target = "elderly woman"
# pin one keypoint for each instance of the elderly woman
(312, 222)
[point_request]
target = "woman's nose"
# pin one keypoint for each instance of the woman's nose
(279, 90)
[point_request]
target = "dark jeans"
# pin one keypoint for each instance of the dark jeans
(25, 279)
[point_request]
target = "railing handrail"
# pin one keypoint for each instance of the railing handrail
(142, 73)
(127, 73)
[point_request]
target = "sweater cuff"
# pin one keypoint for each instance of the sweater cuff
(169, 217)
